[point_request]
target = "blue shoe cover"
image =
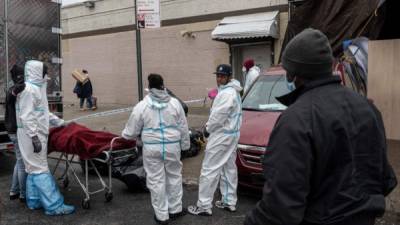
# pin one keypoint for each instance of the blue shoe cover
(32, 194)
(62, 210)
(44, 186)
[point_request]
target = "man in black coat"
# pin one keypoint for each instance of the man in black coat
(326, 161)
(17, 189)
(17, 76)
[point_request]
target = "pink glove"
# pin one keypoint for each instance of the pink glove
(213, 93)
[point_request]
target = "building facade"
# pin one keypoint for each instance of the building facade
(100, 37)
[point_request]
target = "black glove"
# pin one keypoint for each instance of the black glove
(37, 145)
(18, 88)
(205, 133)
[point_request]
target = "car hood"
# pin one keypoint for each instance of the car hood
(257, 127)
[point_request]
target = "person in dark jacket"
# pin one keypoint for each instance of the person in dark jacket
(17, 189)
(326, 161)
(184, 106)
(84, 91)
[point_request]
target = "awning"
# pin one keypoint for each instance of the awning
(259, 25)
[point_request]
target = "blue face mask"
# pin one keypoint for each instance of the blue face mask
(290, 85)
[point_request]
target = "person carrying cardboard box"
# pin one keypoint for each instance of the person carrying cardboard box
(84, 90)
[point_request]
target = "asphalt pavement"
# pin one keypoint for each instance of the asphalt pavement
(125, 208)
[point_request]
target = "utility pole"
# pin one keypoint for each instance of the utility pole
(6, 41)
(138, 55)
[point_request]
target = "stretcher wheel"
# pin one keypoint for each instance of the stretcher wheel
(86, 204)
(109, 196)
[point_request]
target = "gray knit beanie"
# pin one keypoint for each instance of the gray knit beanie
(308, 54)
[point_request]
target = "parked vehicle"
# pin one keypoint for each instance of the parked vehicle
(30, 29)
(260, 112)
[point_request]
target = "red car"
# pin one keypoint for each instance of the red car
(260, 112)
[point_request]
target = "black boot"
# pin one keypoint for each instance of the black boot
(14, 196)
(174, 216)
(165, 222)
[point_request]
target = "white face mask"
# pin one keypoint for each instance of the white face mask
(244, 69)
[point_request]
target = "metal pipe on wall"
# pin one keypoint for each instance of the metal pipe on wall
(138, 55)
(6, 40)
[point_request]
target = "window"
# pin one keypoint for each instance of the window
(262, 95)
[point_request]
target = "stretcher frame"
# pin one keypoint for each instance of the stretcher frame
(108, 159)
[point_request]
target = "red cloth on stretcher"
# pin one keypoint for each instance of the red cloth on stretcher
(80, 140)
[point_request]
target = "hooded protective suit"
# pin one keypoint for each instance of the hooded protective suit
(251, 76)
(34, 119)
(161, 122)
(220, 154)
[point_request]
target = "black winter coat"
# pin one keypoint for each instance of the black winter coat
(326, 159)
(184, 106)
(10, 114)
(17, 75)
(83, 91)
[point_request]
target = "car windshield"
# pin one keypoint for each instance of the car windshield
(261, 96)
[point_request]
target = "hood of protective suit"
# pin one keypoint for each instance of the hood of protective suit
(233, 83)
(255, 68)
(251, 76)
(34, 72)
(158, 99)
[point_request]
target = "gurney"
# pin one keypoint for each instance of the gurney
(90, 146)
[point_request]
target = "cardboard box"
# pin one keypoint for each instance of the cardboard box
(79, 76)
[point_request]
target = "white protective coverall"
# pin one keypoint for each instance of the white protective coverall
(251, 76)
(220, 154)
(34, 119)
(161, 122)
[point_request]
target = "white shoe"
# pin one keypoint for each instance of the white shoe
(222, 205)
(194, 210)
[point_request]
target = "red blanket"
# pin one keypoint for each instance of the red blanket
(80, 140)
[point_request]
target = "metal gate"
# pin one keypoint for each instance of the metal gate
(30, 29)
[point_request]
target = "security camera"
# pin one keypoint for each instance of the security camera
(184, 33)
(187, 34)
(89, 4)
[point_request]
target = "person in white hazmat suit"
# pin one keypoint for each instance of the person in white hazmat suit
(160, 121)
(251, 72)
(223, 128)
(33, 121)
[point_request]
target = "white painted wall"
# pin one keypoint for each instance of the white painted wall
(106, 14)
(69, 2)
(114, 13)
(188, 8)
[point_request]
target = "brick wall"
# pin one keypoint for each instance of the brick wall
(186, 63)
